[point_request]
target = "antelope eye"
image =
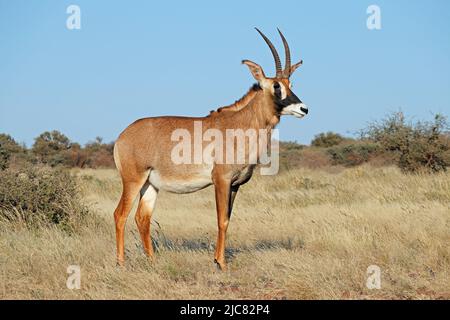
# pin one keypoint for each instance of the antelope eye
(276, 85)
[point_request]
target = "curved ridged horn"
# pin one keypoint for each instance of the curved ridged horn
(287, 53)
(274, 53)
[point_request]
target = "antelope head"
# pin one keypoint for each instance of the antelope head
(279, 87)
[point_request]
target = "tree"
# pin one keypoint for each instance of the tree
(416, 146)
(9, 149)
(326, 140)
(99, 154)
(52, 148)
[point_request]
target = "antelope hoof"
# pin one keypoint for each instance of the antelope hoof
(120, 263)
(221, 265)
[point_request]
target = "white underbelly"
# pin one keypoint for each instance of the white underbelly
(180, 185)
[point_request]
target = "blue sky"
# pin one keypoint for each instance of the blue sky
(133, 59)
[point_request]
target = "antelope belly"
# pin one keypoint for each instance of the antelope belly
(178, 184)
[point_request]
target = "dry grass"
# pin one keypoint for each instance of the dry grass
(304, 234)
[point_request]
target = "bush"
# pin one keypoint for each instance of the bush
(77, 156)
(41, 197)
(353, 154)
(9, 149)
(55, 149)
(290, 145)
(99, 154)
(415, 146)
(313, 158)
(294, 155)
(52, 148)
(326, 140)
(4, 158)
(94, 155)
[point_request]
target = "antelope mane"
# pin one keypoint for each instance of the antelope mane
(238, 104)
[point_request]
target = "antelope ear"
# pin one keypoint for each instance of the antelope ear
(255, 69)
(295, 66)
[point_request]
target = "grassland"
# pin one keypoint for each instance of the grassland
(304, 234)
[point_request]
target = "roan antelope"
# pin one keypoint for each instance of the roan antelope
(142, 152)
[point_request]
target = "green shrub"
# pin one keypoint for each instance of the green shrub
(99, 154)
(290, 145)
(326, 140)
(41, 197)
(294, 155)
(353, 154)
(415, 146)
(52, 148)
(4, 158)
(9, 149)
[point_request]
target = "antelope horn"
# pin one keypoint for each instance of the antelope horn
(287, 53)
(274, 53)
